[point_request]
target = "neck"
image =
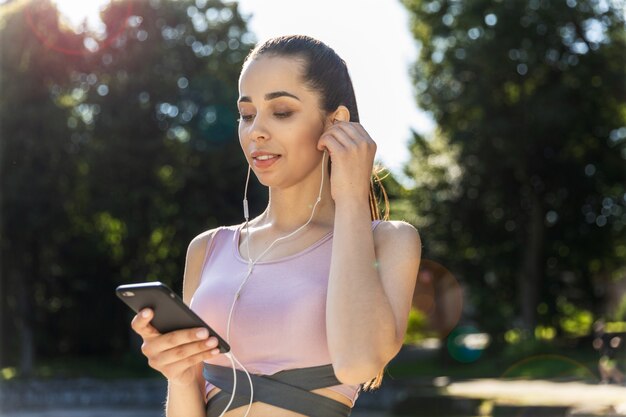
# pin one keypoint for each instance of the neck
(290, 208)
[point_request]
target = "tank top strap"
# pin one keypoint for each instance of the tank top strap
(209, 249)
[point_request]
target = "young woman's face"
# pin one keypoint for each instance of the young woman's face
(280, 123)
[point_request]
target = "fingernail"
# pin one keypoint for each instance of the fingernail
(212, 342)
(202, 334)
(215, 351)
(145, 314)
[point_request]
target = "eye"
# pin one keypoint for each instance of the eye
(245, 117)
(283, 115)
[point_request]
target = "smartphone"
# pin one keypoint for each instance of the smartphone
(170, 311)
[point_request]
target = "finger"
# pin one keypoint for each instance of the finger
(330, 143)
(359, 128)
(350, 129)
(342, 137)
(356, 132)
(343, 134)
(141, 324)
(178, 338)
(177, 367)
(186, 351)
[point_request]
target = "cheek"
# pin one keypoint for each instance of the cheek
(304, 148)
(242, 140)
(306, 134)
(303, 142)
(241, 134)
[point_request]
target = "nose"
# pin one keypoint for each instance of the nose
(258, 130)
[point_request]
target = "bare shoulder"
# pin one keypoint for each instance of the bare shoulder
(400, 235)
(200, 242)
(196, 253)
(398, 249)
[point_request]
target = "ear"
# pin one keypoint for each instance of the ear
(342, 114)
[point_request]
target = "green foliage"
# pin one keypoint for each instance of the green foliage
(574, 321)
(620, 313)
(522, 190)
(616, 327)
(531, 359)
(550, 366)
(8, 373)
(417, 327)
(112, 160)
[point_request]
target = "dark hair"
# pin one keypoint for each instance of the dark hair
(325, 72)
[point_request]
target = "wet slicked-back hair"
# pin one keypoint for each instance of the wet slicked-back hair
(326, 73)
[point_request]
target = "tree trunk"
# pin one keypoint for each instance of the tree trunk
(531, 273)
(3, 301)
(25, 309)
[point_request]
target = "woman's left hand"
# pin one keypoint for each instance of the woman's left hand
(352, 152)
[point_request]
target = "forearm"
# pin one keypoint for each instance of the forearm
(360, 322)
(184, 401)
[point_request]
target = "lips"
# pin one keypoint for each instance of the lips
(263, 154)
(263, 159)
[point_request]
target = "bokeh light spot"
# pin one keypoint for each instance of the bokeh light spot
(491, 19)
(466, 344)
(439, 296)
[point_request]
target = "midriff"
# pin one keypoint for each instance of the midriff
(260, 409)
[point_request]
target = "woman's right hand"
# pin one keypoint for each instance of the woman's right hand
(174, 354)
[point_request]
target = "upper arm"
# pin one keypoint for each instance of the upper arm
(398, 252)
(195, 258)
(196, 253)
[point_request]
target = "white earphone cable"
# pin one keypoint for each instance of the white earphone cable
(232, 397)
(251, 264)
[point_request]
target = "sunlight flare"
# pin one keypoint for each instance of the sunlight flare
(83, 15)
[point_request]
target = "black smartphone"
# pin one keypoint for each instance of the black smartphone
(170, 311)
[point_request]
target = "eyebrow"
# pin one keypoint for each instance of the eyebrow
(269, 96)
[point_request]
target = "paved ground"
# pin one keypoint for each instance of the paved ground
(84, 412)
(108, 412)
(583, 398)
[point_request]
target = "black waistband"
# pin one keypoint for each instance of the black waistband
(288, 389)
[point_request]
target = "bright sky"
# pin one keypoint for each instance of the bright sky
(75, 12)
(373, 37)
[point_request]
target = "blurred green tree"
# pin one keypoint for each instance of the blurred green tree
(37, 174)
(159, 125)
(135, 128)
(522, 191)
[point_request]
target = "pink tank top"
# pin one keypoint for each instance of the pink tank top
(279, 321)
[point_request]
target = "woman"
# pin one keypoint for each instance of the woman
(313, 291)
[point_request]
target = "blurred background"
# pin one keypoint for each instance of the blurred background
(505, 143)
